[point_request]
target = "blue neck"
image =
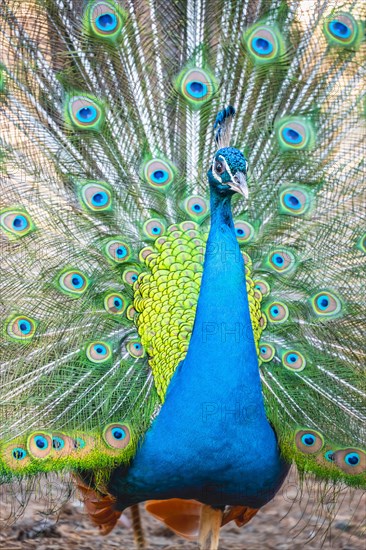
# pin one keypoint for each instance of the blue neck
(211, 440)
(222, 343)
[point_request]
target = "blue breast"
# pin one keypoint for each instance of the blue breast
(211, 441)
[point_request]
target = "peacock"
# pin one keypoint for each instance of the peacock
(182, 221)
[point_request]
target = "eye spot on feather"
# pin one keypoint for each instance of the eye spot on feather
(295, 133)
(309, 441)
(117, 251)
(130, 313)
(293, 360)
(104, 20)
(343, 30)
(114, 303)
(244, 232)
(17, 223)
(58, 443)
(39, 444)
(154, 228)
(73, 282)
(277, 312)
(96, 197)
(99, 352)
(19, 454)
(21, 328)
(281, 261)
(196, 86)
(84, 113)
(130, 276)
(351, 461)
(62, 444)
(196, 207)
(135, 349)
(262, 286)
(264, 43)
(158, 174)
(15, 456)
(266, 352)
(117, 436)
(80, 445)
(326, 304)
(294, 201)
(329, 456)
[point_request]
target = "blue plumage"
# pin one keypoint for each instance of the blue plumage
(212, 440)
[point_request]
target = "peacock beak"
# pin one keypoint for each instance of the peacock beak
(238, 183)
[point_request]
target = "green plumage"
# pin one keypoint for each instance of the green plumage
(107, 114)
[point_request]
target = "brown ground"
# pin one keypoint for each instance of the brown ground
(288, 522)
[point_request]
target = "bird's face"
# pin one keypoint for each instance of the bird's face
(227, 173)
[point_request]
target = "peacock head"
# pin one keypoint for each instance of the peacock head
(227, 174)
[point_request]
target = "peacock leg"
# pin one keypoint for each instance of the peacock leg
(138, 533)
(210, 528)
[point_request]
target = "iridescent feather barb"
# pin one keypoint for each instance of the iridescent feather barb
(108, 112)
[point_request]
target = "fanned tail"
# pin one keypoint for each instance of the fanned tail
(107, 114)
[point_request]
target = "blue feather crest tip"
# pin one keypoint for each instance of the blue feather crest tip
(222, 125)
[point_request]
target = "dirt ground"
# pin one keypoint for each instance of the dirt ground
(54, 519)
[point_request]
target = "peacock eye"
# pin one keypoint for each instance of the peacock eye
(19, 454)
(281, 261)
(84, 112)
(117, 251)
(244, 231)
(62, 444)
(39, 444)
(196, 207)
(343, 30)
(154, 228)
(73, 282)
(309, 441)
(104, 20)
(130, 276)
(197, 86)
(21, 328)
(16, 223)
(117, 435)
(351, 461)
(57, 443)
(295, 134)
(114, 303)
(266, 352)
(96, 196)
(219, 167)
(99, 352)
(158, 174)
(293, 360)
(295, 201)
(264, 43)
(135, 348)
(326, 304)
(277, 312)
(329, 456)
